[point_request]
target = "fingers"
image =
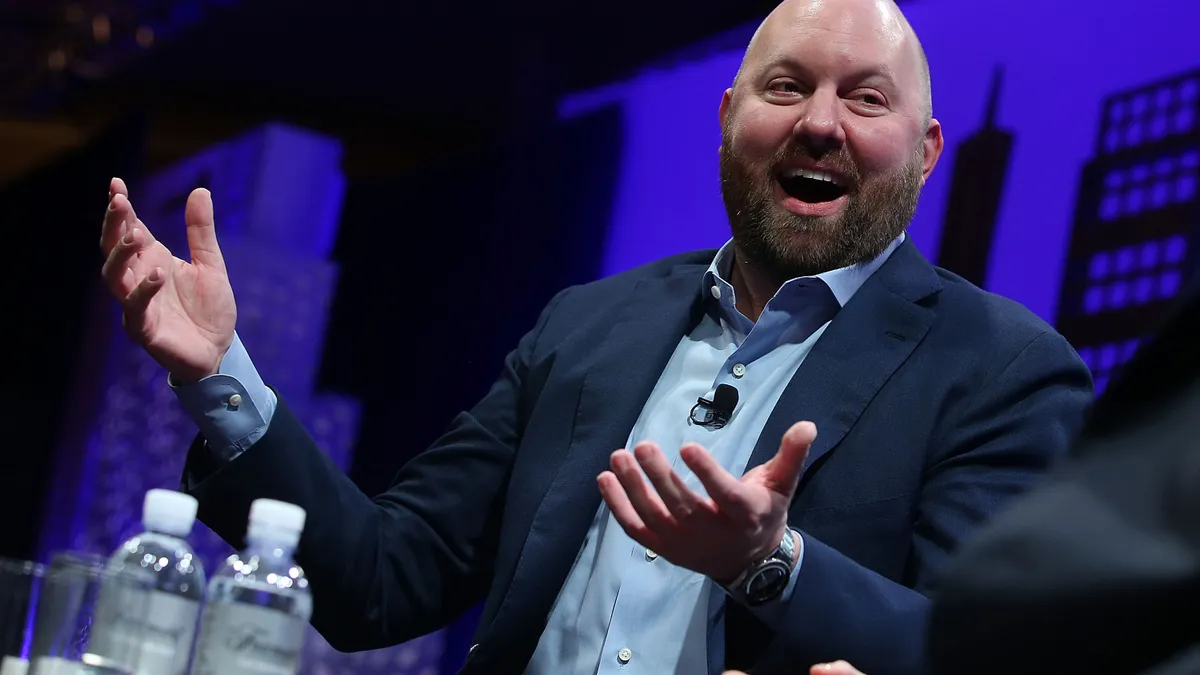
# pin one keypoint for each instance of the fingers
(136, 302)
(783, 470)
(674, 493)
(118, 270)
(120, 218)
(201, 229)
(116, 218)
(835, 668)
(117, 186)
(726, 491)
(622, 509)
(649, 506)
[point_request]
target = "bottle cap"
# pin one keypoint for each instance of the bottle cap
(280, 519)
(169, 511)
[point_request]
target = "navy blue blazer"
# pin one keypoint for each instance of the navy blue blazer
(935, 402)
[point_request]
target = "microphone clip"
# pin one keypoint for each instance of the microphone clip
(715, 413)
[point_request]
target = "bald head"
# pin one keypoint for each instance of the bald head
(839, 88)
(880, 18)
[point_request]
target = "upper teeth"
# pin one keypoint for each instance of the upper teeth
(815, 175)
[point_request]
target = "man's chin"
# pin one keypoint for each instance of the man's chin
(794, 230)
(800, 253)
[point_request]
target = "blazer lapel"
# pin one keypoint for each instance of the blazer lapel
(625, 365)
(865, 343)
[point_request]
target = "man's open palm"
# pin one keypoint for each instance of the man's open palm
(740, 521)
(183, 313)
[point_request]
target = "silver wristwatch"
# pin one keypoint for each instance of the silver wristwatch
(765, 580)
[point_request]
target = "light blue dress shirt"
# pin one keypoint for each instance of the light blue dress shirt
(624, 609)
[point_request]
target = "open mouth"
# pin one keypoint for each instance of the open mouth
(813, 187)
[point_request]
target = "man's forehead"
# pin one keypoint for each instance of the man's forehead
(873, 29)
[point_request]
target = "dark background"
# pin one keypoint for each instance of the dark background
(461, 218)
(460, 185)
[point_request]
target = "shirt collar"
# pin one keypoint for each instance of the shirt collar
(844, 281)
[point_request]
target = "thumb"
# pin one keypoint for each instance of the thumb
(782, 471)
(835, 668)
(201, 230)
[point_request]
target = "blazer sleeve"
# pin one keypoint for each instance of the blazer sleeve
(407, 562)
(995, 445)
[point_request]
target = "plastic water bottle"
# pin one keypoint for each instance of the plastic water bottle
(258, 605)
(157, 628)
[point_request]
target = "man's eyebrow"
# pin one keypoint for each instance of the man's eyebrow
(864, 75)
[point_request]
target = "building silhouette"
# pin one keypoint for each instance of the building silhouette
(980, 166)
(1134, 239)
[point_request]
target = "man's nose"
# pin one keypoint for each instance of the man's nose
(820, 125)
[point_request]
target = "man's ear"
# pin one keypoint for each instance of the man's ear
(932, 144)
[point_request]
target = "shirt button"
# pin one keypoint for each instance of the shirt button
(235, 400)
(651, 555)
(624, 656)
(739, 370)
(716, 292)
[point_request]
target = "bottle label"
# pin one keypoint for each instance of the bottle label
(149, 630)
(238, 639)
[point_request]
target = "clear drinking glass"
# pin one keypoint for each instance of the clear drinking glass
(19, 580)
(76, 592)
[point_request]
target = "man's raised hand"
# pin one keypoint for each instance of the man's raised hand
(182, 313)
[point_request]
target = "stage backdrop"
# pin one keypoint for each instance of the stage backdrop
(1059, 61)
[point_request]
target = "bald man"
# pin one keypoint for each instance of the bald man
(757, 457)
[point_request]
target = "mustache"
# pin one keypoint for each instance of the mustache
(839, 160)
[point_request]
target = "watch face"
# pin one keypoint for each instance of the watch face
(767, 583)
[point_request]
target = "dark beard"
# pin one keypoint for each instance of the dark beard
(783, 245)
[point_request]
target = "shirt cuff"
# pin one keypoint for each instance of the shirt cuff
(233, 408)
